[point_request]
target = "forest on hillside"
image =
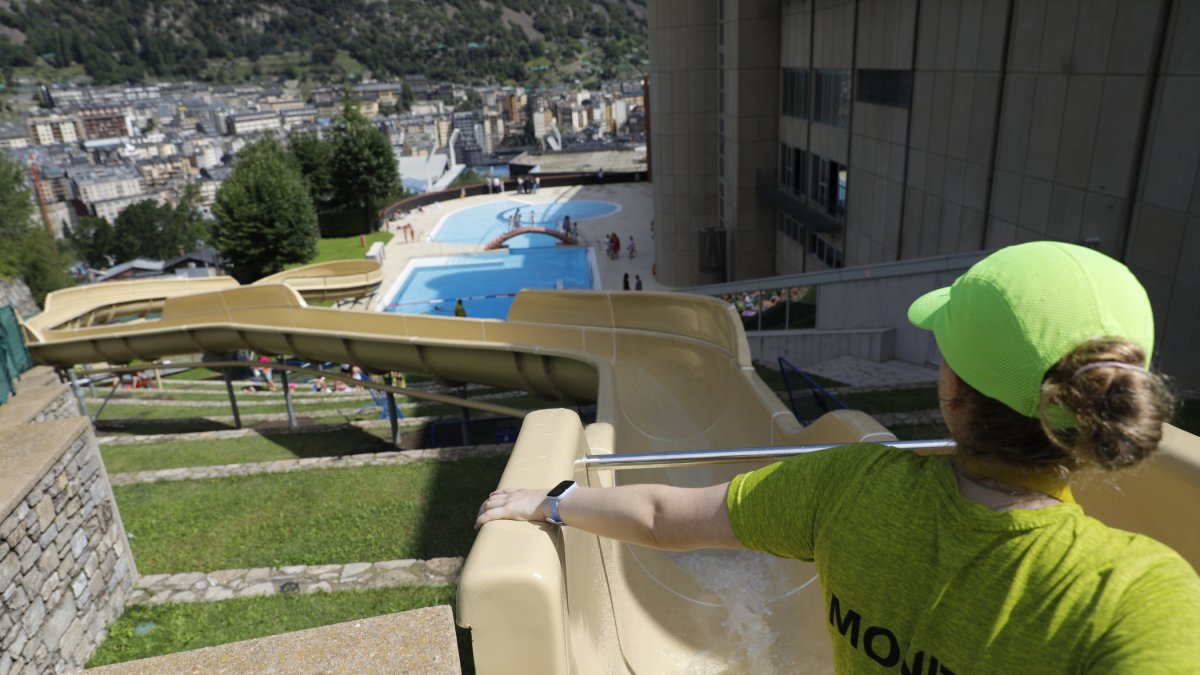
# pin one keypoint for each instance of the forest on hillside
(504, 41)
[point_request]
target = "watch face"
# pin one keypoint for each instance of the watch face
(560, 488)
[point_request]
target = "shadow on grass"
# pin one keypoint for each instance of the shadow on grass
(348, 441)
(179, 426)
(447, 526)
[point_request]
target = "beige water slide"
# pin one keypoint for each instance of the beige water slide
(668, 372)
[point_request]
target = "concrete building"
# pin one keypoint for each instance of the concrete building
(800, 135)
(468, 149)
(52, 129)
(109, 209)
(299, 117)
(97, 184)
(105, 122)
(13, 137)
(253, 122)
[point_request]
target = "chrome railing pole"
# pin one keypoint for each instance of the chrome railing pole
(659, 460)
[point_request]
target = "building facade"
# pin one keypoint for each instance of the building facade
(799, 135)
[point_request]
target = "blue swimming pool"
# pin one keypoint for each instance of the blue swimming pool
(487, 282)
(481, 224)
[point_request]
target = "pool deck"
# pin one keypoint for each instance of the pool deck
(634, 218)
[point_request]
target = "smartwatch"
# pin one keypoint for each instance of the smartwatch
(555, 496)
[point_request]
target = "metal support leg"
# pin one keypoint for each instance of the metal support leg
(83, 409)
(237, 419)
(391, 409)
(115, 387)
(287, 399)
(466, 423)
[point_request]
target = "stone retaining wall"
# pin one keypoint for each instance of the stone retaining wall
(65, 565)
(61, 407)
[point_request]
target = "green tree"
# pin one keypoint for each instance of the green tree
(315, 158)
(407, 96)
(29, 251)
(265, 216)
(94, 240)
(44, 263)
(363, 167)
(16, 202)
(149, 230)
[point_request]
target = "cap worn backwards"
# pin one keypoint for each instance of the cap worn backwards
(1005, 322)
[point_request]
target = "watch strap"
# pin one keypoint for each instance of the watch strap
(554, 516)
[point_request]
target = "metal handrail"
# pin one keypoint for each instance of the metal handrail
(660, 460)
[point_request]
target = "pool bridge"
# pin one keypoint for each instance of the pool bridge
(498, 242)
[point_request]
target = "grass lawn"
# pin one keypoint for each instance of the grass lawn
(195, 374)
(306, 407)
(166, 629)
(314, 517)
(176, 454)
(345, 248)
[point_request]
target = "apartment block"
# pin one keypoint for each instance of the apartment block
(97, 184)
(800, 135)
(53, 129)
(249, 123)
(104, 122)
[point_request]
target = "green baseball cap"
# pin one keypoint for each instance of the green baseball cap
(1005, 322)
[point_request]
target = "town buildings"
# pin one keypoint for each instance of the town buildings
(100, 149)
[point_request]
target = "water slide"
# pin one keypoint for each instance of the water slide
(668, 372)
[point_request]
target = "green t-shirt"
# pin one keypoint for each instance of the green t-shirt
(917, 579)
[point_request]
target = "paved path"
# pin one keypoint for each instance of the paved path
(157, 589)
(860, 372)
(309, 463)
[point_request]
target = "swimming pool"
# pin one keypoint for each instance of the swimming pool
(481, 224)
(487, 282)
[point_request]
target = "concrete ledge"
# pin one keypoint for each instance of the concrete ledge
(28, 452)
(806, 347)
(30, 402)
(417, 641)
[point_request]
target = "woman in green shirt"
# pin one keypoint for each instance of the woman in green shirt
(981, 561)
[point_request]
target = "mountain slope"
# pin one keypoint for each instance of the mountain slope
(464, 40)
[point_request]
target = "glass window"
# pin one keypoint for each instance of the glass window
(832, 103)
(823, 183)
(793, 96)
(802, 307)
(785, 167)
(885, 87)
(800, 160)
(814, 190)
(843, 177)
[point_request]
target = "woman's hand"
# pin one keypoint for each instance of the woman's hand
(513, 504)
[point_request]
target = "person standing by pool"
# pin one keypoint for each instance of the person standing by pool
(990, 564)
(638, 286)
(459, 309)
(625, 282)
(616, 249)
(632, 248)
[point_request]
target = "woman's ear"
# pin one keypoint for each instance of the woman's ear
(951, 387)
(958, 388)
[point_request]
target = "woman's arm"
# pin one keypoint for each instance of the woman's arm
(659, 516)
